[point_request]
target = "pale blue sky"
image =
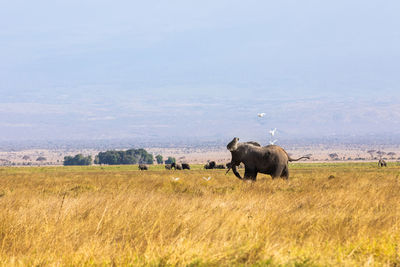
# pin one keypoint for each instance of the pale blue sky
(126, 69)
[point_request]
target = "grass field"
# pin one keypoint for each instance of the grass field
(325, 215)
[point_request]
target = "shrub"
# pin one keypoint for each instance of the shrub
(131, 156)
(41, 159)
(170, 160)
(159, 159)
(78, 159)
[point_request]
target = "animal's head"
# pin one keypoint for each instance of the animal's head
(232, 146)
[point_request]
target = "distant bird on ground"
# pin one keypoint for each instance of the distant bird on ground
(207, 179)
(175, 178)
(260, 115)
(273, 142)
(272, 132)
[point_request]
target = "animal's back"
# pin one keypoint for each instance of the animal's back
(279, 151)
(270, 153)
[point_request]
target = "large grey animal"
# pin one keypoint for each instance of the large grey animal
(176, 166)
(271, 159)
(382, 163)
(210, 165)
(142, 167)
(167, 166)
(214, 165)
(185, 166)
(220, 166)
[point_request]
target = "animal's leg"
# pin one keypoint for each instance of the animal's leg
(250, 174)
(278, 172)
(285, 173)
(255, 175)
(246, 173)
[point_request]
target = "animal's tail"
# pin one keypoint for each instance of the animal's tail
(305, 157)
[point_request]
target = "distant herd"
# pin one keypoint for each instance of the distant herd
(213, 165)
(177, 166)
(185, 166)
(270, 159)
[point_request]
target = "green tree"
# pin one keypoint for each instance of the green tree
(96, 159)
(131, 156)
(170, 160)
(159, 159)
(41, 159)
(128, 159)
(109, 157)
(78, 159)
(391, 154)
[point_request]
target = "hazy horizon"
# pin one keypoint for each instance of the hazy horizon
(163, 70)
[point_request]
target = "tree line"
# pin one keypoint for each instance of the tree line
(78, 159)
(131, 156)
(117, 157)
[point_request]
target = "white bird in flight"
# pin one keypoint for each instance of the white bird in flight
(273, 142)
(260, 115)
(272, 132)
(175, 178)
(207, 179)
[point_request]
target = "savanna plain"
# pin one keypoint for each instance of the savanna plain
(345, 214)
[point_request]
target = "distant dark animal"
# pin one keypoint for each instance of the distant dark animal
(185, 166)
(382, 163)
(142, 167)
(271, 159)
(210, 165)
(176, 166)
(220, 166)
(167, 166)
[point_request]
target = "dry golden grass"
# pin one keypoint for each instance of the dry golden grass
(325, 215)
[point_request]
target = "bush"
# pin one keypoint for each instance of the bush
(41, 159)
(159, 159)
(131, 156)
(79, 159)
(170, 160)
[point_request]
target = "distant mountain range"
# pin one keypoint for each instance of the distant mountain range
(218, 143)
